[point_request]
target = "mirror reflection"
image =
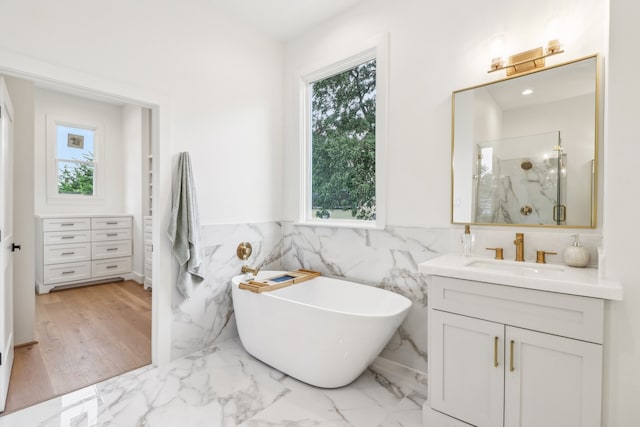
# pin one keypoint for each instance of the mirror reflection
(524, 149)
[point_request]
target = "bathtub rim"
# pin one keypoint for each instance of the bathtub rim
(235, 281)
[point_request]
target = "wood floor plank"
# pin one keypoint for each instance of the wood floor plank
(85, 335)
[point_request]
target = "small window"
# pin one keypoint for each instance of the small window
(343, 144)
(74, 171)
(75, 160)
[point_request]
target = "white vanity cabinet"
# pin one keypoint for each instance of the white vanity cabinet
(73, 250)
(507, 356)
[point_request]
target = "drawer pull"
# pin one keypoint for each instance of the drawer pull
(112, 234)
(67, 253)
(67, 237)
(112, 222)
(511, 367)
(111, 266)
(495, 352)
(67, 224)
(69, 272)
(112, 249)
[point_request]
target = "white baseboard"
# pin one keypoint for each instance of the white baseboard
(136, 277)
(408, 379)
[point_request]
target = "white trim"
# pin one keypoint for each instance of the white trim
(377, 49)
(164, 269)
(53, 196)
(340, 223)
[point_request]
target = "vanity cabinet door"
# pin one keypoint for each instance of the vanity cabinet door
(467, 368)
(554, 381)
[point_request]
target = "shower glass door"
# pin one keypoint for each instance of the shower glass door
(521, 181)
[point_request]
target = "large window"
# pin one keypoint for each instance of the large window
(343, 142)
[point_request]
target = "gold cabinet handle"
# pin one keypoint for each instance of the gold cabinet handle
(495, 352)
(511, 367)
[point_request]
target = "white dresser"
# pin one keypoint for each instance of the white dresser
(81, 249)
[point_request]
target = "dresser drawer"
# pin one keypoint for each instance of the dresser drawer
(115, 234)
(71, 252)
(68, 272)
(108, 223)
(66, 224)
(58, 237)
(111, 249)
(111, 267)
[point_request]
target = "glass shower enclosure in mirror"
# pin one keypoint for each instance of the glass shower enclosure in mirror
(524, 149)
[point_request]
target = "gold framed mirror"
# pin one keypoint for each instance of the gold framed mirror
(524, 149)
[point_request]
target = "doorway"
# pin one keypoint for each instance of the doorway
(121, 299)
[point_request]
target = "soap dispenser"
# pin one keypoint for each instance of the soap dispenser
(576, 255)
(467, 241)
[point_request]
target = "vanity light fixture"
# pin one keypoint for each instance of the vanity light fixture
(529, 60)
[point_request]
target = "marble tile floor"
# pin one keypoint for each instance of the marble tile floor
(225, 386)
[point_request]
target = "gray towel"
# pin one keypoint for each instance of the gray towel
(184, 228)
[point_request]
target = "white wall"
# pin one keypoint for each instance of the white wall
(223, 81)
(435, 48)
(50, 103)
(621, 207)
(215, 87)
(133, 202)
(24, 301)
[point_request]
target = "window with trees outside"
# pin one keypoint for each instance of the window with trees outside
(75, 154)
(74, 150)
(343, 143)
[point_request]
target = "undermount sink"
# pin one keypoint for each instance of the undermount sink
(514, 267)
(531, 275)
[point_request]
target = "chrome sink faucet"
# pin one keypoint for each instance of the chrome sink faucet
(519, 242)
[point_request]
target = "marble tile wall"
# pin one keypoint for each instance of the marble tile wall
(207, 317)
(383, 258)
(535, 239)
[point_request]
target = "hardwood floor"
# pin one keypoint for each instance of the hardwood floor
(85, 335)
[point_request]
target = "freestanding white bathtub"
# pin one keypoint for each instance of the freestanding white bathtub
(324, 331)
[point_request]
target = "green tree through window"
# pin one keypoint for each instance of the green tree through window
(76, 177)
(343, 124)
(75, 160)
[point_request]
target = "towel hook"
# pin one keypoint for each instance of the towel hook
(244, 250)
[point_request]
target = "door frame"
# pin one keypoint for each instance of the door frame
(72, 81)
(7, 240)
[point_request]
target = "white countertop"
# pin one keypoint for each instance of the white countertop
(551, 278)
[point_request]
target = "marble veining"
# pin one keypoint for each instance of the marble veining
(384, 258)
(224, 386)
(208, 315)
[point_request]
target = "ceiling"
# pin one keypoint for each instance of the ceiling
(283, 19)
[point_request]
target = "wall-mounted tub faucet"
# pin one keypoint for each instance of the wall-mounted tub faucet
(243, 252)
(247, 269)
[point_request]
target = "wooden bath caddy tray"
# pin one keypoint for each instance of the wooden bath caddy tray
(280, 281)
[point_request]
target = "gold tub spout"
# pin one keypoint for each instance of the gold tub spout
(519, 242)
(247, 269)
